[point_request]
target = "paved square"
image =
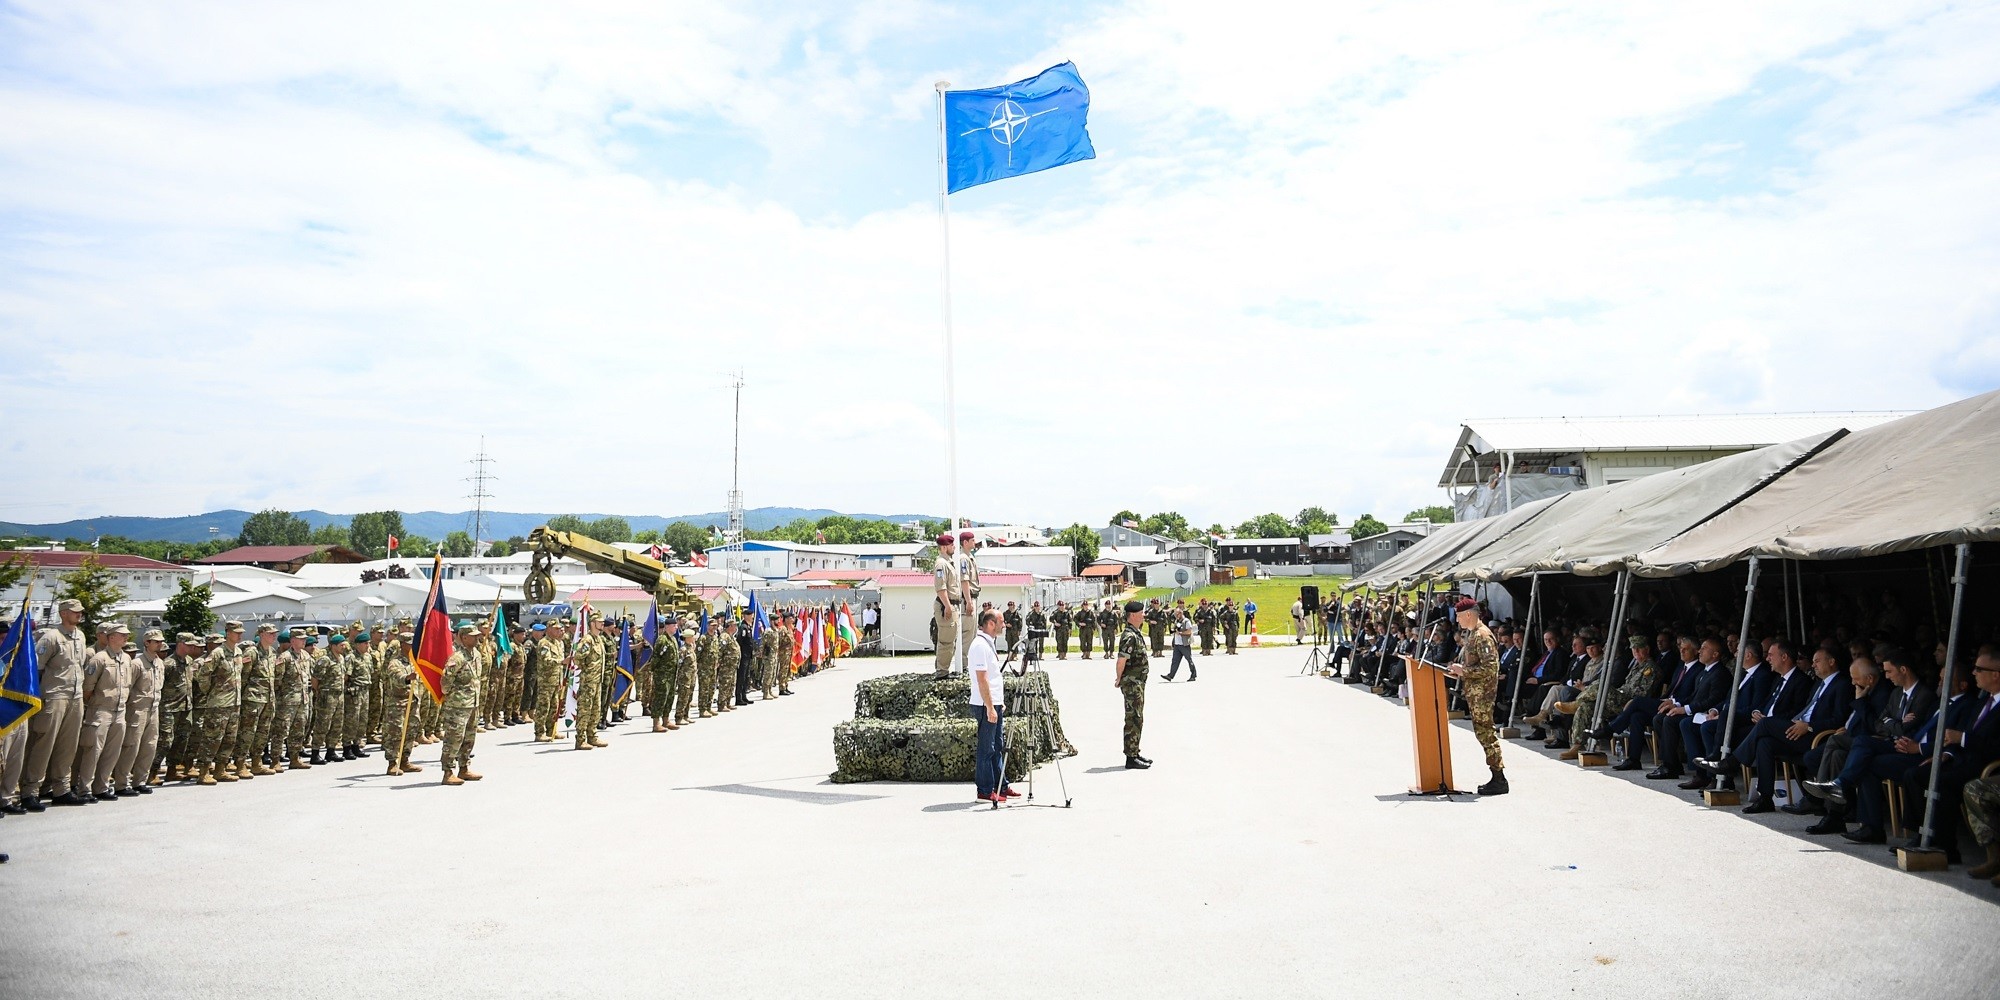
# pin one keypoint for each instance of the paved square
(1269, 854)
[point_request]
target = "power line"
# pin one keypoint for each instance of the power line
(480, 496)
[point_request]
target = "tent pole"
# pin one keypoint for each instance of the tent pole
(1507, 476)
(1785, 574)
(1805, 633)
(1521, 665)
(1743, 641)
(1619, 595)
(1931, 818)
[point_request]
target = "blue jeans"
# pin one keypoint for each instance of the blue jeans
(989, 764)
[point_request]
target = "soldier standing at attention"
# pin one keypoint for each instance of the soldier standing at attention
(948, 606)
(517, 671)
(106, 682)
(1478, 671)
(788, 643)
(590, 671)
(134, 769)
(291, 679)
(218, 695)
(549, 655)
(1204, 620)
(177, 707)
(329, 673)
(968, 622)
(253, 720)
(1086, 626)
(1230, 625)
(1156, 626)
(666, 669)
(1108, 621)
(1037, 622)
(360, 677)
(1129, 677)
(727, 652)
(1060, 620)
(767, 657)
(1012, 619)
(489, 677)
(398, 671)
(461, 700)
(53, 731)
(706, 658)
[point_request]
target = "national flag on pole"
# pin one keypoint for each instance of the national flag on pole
(843, 627)
(392, 544)
(659, 553)
(1017, 128)
(799, 639)
(622, 684)
(20, 674)
(700, 559)
(760, 622)
(500, 640)
(704, 619)
(434, 645)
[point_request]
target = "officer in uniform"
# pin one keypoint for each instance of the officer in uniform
(360, 677)
(1156, 626)
(948, 605)
(968, 619)
(1108, 621)
(218, 696)
(253, 720)
(1037, 622)
(107, 680)
(177, 708)
(666, 669)
(132, 773)
(590, 673)
(1012, 619)
(1204, 620)
(1060, 620)
(549, 655)
(53, 731)
(397, 671)
(727, 654)
(1086, 626)
(1129, 678)
(461, 700)
(1230, 625)
(329, 676)
(1478, 671)
(291, 683)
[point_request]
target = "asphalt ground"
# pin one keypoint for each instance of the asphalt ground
(1271, 852)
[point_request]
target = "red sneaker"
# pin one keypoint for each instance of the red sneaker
(1010, 793)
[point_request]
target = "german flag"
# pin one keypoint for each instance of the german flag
(434, 642)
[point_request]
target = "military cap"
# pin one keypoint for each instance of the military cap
(214, 637)
(538, 627)
(232, 625)
(966, 536)
(131, 648)
(357, 625)
(944, 539)
(195, 640)
(404, 619)
(266, 627)
(729, 622)
(670, 619)
(406, 634)
(116, 627)
(70, 604)
(154, 635)
(467, 627)
(1638, 640)
(336, 639)
(285, 635)
(363, 636)
(1131, 606)
(103, 627)
(186, 637)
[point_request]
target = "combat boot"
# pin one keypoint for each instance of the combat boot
(223, 773)
(1992, 865)
(179, 772)
(408, 767)
(394, 771)
(263, 769)
(595, 742)
(1496, 786)
(208, 776)
(708, 713)
(452, 779)
(466, 774)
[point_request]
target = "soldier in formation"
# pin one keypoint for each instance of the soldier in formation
(1156, 626)
(1059, 619)
(1038, 624)
(1204, 623)
(1086, 626)
(461, 700)
(1108, 622)
(1129, 677)
(1230, 625)
(1011, 618)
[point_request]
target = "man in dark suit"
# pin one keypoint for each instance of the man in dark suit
(1797, 708)
(1542, 678)
(1890, 750)
(1702, 721)
(1679, 694)
(1971, 741)
(1753, 687)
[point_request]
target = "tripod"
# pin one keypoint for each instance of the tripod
(1315, 661)
(1041, 719)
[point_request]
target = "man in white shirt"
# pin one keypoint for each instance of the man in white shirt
(987, 703)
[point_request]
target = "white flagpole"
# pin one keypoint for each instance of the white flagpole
(950, 364)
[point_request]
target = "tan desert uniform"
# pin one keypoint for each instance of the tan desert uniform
(53, 731)
(142, 720)
(946, 578)
(106, 681)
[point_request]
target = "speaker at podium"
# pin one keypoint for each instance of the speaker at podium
(1430, 727)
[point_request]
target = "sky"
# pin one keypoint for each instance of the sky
(308, 256)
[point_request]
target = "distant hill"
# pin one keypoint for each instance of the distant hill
(431, 524)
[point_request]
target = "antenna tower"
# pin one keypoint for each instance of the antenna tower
(735, 532)
(480, 497)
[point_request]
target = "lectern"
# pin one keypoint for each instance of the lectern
(1430, 727)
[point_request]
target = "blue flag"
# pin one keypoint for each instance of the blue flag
(20, 675)
(623, 682)
(651, 630)
(1016, 129)
(759, 621)
(704, 620)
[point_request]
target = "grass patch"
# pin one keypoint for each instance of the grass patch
(1274, 597)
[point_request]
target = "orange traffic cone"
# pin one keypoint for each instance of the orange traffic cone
(1253, 639)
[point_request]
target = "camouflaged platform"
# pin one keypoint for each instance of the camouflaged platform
(915, 727)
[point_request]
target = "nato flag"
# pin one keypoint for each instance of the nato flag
(1019, 128)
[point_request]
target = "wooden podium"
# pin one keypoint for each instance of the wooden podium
(1430, 727)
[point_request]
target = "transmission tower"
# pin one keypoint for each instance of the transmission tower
(735, 532)
(480, 497)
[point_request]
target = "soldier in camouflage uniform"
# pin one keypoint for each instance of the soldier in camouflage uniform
(218, 694)
(728, 652)
(767, 660)
(1060, 621)
(788, 641)
(177, 708)
(517, 672)
(461, 700)
(1037, 622)
(549, 655)
(1231, 625)
(329, 677)
(253, 722)
(291, 680)
(1108, 622)
(1156, 626)
(360, 678)
(590, 674)
(1204, 623)
(398, 672)
(1086, 626)
(1981, 804)
(706, 656)
(1478, 671)
(666, 667)
(1130, 680)
(1012, 619)
(488, 653)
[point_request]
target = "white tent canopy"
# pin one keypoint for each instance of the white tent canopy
(1450, 544)
(1926, 480)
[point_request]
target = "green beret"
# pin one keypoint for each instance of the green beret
(336, 639)
(363, 637)
(285, 635)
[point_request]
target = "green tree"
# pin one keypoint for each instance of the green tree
(90, 583)
(1128, 515)
(13, 570)
(685, 539)
(1435, 515)
(331, 534)
(646, 537)
(457, 545)
(1366, 525)
(610, 529)
(1170, 524)
(1083, 545)
(1267, 526)
(568, 523)
(272, 526)
(369, 532)
(499, 549)
(1316, 521)
(415, 546)
(187, 610)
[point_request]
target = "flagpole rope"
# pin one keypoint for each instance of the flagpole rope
(950, 361)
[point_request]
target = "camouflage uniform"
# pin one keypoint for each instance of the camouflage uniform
(787, 643)
(218, 696)
(1132, 684)
(1156, 627)
(1479, 685)
(705, 658)
(517, 672)
(548, 687)
(1108, 620)
(1012, 619)
(398, 679)
(1204, 622)
(1037, 622)
(329, 675)
(253, 721)
(666, 669)
(728, 653)
(1059, 620)
(590, 674)
(461, 699)
(767, 663)
(176, 712)
(360, 679)
(1982, 809)
(1231, 625)
(1086, 627)
(291, 676)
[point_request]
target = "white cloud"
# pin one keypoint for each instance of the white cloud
(257, 254)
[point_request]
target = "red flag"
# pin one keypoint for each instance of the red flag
(393, 543)
(700, 559)
(434, 644)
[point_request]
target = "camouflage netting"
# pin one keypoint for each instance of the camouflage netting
(914, 727)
